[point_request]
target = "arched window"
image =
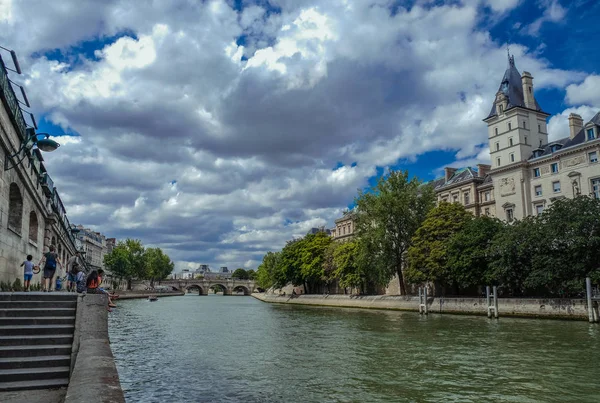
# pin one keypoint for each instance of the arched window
(15, 208)
(53, 242)
(33, 227)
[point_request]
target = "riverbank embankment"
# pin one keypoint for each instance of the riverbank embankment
(146, 294)
(572, 309)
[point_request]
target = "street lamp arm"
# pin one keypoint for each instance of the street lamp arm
(45, 144)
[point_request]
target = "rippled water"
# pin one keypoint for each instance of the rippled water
(237, 349)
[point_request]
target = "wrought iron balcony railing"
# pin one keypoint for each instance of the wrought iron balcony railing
(12, 105)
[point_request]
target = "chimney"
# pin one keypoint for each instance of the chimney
(575, 124)
(483, 170)
(448, 172)
(527, 81)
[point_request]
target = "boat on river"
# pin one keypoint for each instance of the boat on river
(152, 298)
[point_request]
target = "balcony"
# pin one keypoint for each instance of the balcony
(47, 184)
(57, 204)
(10, 100)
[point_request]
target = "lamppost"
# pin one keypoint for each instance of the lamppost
(45, 144)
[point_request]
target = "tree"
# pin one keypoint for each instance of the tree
(251, 274)
(568, 250)
(157, 265)
(387, 217)
(240, 274)
(469, 251)
(267, 274)
(312, 258)
(513, 250)
(428, 256)
(289, 268)
(347, 270)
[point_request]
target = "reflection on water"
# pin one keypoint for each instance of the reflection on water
(233, 349)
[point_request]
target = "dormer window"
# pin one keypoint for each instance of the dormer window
(590, 133)
(500, 109)
(555, 147)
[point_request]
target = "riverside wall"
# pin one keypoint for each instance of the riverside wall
(574, 309)
(94, 376)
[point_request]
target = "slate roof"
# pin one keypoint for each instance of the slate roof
(567, 142)
(512, 86)
(461, 175)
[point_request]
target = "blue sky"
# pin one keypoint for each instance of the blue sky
(217, 130)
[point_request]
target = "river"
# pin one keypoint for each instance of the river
(237, 349)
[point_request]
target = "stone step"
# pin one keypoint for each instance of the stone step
(38, 304)
(36, 340)
(35, 351)
(36, 312)
(35, 320)
(36, 329)
(30, 374)
(37, 384)
(38, 296)
(35, 362)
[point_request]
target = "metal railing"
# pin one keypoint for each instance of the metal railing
(47, 182)
(12, 105)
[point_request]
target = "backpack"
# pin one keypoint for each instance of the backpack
(50, 261)
(80, 281)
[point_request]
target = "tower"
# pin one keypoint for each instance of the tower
(516, 128)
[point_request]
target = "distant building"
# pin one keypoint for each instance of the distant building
(344, 227)
(471, 187)
(314, 231)
(94, 247)
(110, 244)
(186, 274)
(223, 269)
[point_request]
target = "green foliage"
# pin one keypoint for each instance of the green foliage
(388, 215)
(267, 274)
(240, 274)
(469, 252)
(312, 256)
(129, 259)
(346, 263)
(251, 274)
(17, 285)
(428, 256)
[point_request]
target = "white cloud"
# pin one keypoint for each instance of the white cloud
(587, 92)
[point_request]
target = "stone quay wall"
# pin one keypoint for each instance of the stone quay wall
(94, 376)
(575, 309)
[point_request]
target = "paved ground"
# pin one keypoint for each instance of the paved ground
(34, 396)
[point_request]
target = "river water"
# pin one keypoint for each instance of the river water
(237, 349)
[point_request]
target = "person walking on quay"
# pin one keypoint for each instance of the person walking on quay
(50, 260)
(74, 265)
(27, 272)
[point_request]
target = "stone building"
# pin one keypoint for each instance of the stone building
(528, 171)
(93, 245)
(344, 228)
(32, 215)
(467, 186)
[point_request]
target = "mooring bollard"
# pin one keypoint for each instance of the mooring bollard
(491, 305)
(495, 302)
(588, 294)
(423, 300)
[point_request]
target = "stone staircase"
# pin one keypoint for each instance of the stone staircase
(36, 338)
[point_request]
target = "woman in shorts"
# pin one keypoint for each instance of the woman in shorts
(50, 260)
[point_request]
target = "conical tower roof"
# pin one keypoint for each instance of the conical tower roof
(512, 87)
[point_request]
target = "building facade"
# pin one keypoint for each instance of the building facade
(93, 246)
(32, 216)
(344, 228)
(528, 172)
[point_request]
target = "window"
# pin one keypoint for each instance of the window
(487, 211)
(509, 126)
(554, 168)
(596, 188)
(556, 187)
(33, 227)
(525, 139)
(555, 147)
(497, 162)
(509, 215)
(536, 172)
(455, 198)
(530, 90)
(510, 141)
(467, 198)
(497, 146)
(539, 128)
(538, 190)
(486, 196)
(15, 208)
(590, 134)
(496, 131)
(501, 108)
(344, 230)
(524, 125)
(539, 209)
(593, 156)
(512, 157)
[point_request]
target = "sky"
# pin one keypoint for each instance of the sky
(219, 129)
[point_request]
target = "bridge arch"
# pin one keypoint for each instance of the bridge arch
(243, 288)
(194, 287)
(226, 290)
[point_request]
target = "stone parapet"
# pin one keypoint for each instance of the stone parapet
(94, 376)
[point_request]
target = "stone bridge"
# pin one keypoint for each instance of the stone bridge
(201, 286)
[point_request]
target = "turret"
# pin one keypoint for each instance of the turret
(527, 81)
